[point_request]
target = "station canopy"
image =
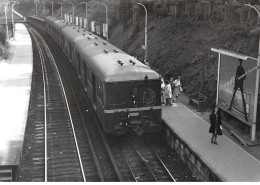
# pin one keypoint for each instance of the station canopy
(17, 17)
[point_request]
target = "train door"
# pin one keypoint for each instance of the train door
(94, 92)
(61, 41)
(64, 45)
(85, 73)
(70, 52)
(79, 60)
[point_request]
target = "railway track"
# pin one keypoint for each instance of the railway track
(61, 147)
(140, 164)
(106, 161)
(62, 160)
(119, 161)
(92, 157)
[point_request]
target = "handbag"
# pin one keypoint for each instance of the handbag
(220, 130)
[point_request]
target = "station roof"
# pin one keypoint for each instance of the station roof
(17, 17)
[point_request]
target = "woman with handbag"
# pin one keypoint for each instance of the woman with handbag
(177, 87)
(215, 125)
(168, 93)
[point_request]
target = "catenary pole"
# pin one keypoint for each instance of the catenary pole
(145, 31)
(253, 127)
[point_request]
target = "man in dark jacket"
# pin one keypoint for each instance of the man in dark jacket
(239, 82)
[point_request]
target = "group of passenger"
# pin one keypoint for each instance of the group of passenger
(170, 90)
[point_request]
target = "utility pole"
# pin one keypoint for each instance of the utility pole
(145, 32)
(253, 127)
(51, 8)
(12, 8)
(106, 19)
(60, 10)
(6, 23)
(72, 11)
(36, 8)
(86, 13)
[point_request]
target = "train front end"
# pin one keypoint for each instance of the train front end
(133, 105)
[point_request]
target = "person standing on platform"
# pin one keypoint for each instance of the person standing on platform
(162, 90)
(177, 87)
(215, 125)
(172, 86)
(168, 93)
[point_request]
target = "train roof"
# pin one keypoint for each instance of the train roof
(58, 23)
(75, 33)
(108, 62)
(115, 67)
(112, 64)
(37, 18)
(49, 19)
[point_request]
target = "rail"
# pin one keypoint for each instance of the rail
(34, 33)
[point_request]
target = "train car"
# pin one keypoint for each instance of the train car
(124, 92)
(36, 19)
(54, 26)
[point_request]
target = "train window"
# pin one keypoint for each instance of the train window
(65, 44)
(141, 96)
(61, 39)
(85, 73)
(70, 51)
(116, 96)
(100, 91)
(149, 97)
(94, 89)
(82, 67)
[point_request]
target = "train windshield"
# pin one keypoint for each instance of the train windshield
(134, 94)
(141, 97)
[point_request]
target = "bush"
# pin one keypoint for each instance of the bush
(5, 53)
(2, 35)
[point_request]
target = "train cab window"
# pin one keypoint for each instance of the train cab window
(117, 96)
(141, 97)
(149, 97)
(133, 95)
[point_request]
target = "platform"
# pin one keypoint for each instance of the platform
(227, 160)
(15, 87)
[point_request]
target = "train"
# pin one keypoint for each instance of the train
(124, 93)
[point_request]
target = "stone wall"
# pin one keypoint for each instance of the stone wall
(199, 169)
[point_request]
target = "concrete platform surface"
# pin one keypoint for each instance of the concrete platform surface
(229, 161)
(15, 87)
